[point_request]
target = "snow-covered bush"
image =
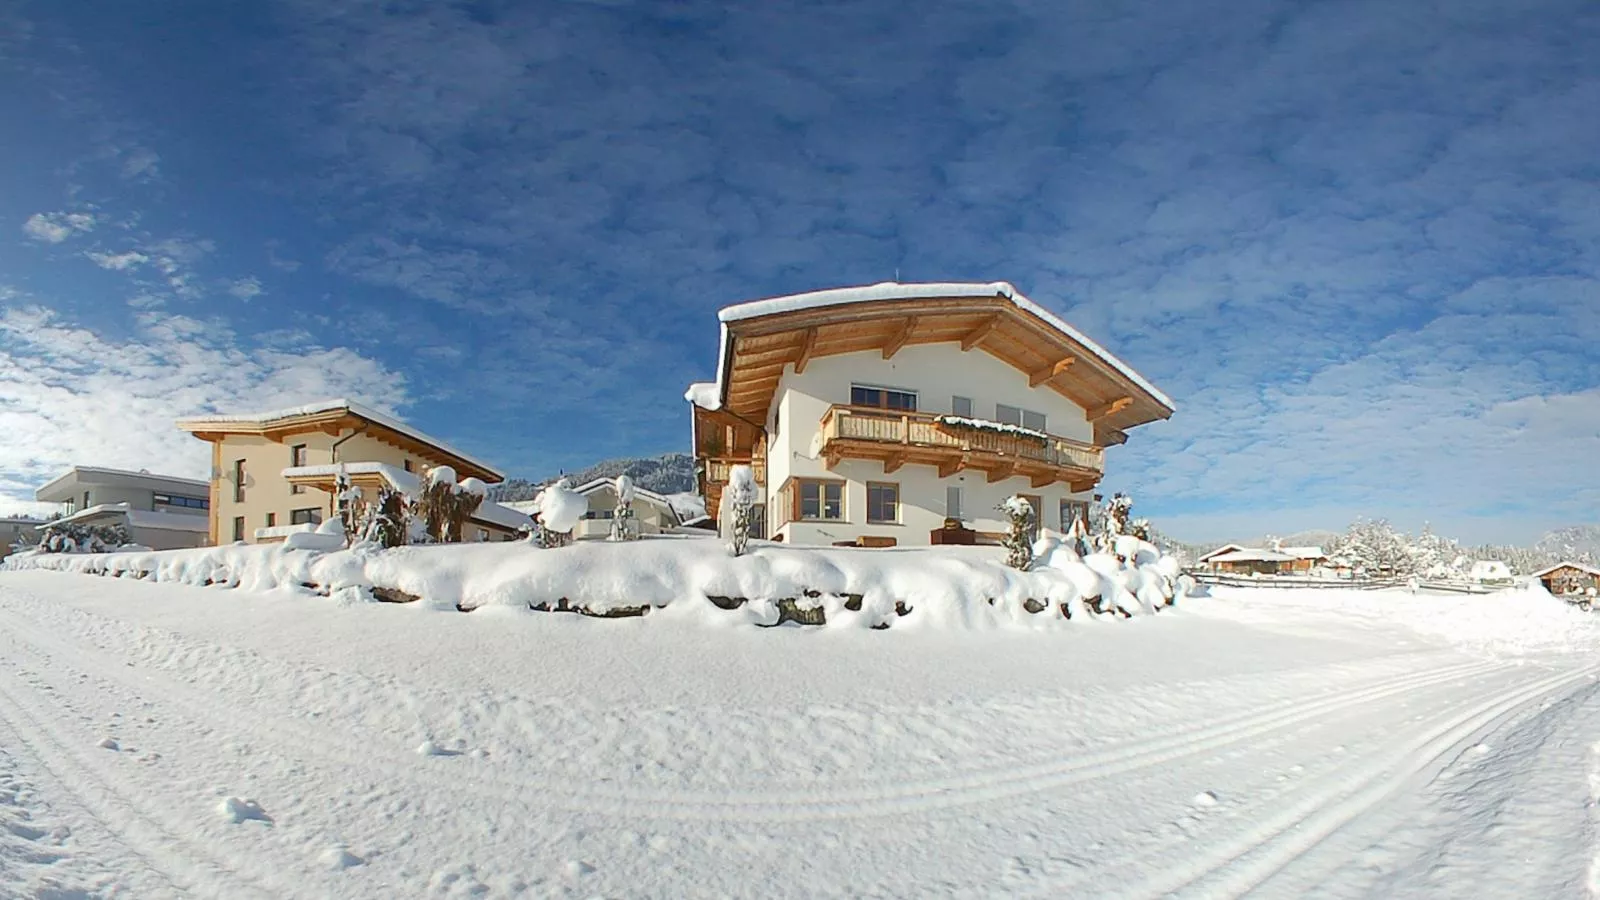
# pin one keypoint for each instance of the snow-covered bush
(738, 503)
(1018, 540)
(348, 497)
(387, 521)
(445, 506)
(72, 537)
(558, 509)
(622, 524)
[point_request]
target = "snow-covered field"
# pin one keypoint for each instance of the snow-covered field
(167, 740)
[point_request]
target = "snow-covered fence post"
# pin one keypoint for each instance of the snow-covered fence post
(559, 510)
(738, 508)
(622, 524)
(1018, 542)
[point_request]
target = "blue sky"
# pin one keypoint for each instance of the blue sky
(1357, 242)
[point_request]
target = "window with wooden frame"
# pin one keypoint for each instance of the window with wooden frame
(238, 528)
(311, 516)
(297, 458)
(819, 500)
(883, 398)
(883, 503)
(1037, 502)
(238, 481)
(272, 519)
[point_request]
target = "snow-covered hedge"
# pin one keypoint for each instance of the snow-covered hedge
(949, 587)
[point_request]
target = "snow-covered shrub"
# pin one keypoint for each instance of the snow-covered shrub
(738, 502)
(348, 497)
(622, 524)
(1018, 541)
(387, 521)
(72, 537)
(558, 509)
(445, 506)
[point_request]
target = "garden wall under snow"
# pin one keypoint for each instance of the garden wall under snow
(941, 587)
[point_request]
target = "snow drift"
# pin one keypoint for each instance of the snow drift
(950, 587)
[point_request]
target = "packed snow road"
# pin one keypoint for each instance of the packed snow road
(158, 740)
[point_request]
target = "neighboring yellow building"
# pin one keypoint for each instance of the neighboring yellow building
(253, 499)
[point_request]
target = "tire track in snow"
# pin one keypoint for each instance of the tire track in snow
(1249, 858)
(157, 840)
(316, 748)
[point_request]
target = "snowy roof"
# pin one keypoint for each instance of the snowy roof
(704, 395)
(137, 518)
(262, 419)
(659, 501)
(409, 484)
(890, 290)
(1225, 548)
(99, 474)
(1586, 569)
(1252, 556)
(1303, 552)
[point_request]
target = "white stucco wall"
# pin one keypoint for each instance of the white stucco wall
(937, 373)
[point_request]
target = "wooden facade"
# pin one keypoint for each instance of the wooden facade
(1570, 580)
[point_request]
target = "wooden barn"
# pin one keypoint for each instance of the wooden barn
(1570, 580)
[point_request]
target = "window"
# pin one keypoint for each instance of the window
(238, 528)
(883, 502)
(85, 499)
(1038, 510)
(1011, 415)
(183, 502)
(883, 398)
(408, 466)
(272, 519)
(238, 481)
(483, 534)
(822, 500)
(961, 406)
(297, 457)
(1072, 512)
(952, 502)
(311, 516)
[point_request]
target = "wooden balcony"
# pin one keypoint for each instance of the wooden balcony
(714, 477)
(900, 438)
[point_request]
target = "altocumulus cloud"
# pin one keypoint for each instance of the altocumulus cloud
(84, 398)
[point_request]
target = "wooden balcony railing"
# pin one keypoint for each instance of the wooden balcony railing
(717, 469)
(924, 432)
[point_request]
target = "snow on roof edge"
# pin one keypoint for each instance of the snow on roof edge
(890, 290)
(194, 423)
(1566, 564)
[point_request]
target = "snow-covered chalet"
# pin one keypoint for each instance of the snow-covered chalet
(901, 414)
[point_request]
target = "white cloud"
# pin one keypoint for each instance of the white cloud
(140, 163)
(119, 262)
(75, 396)
(246, 288)
(53, 228)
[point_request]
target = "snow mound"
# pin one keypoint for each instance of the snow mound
(560, 507)
(932, 587)
(337, 858)
(236, 810)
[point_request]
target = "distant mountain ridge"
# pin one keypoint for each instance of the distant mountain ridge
(669, 473)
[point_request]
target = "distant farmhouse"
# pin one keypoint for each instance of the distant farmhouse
(1237, 559)
(878, 415)
(1570, 579)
